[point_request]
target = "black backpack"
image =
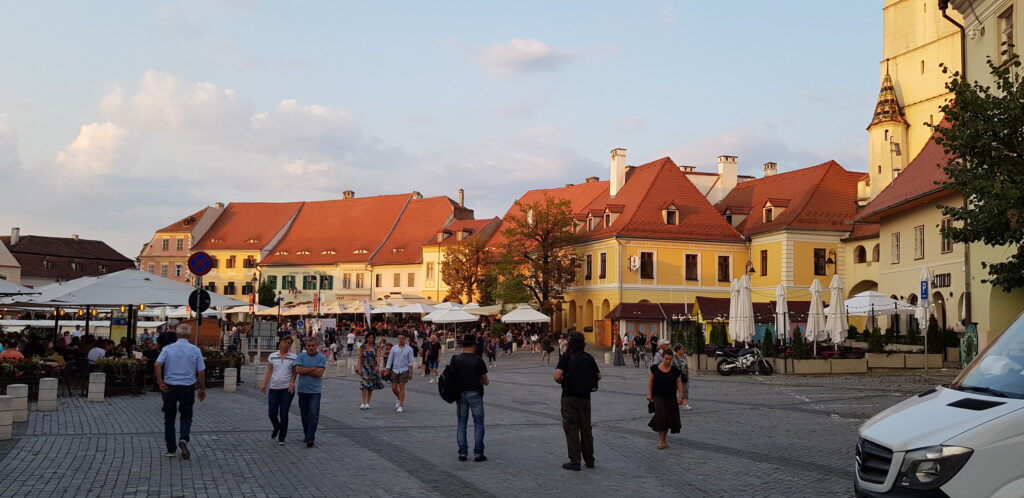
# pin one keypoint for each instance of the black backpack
(448, 383)
(580, 384)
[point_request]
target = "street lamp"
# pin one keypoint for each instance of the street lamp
(280, 299)
(253, 304)
(831, 260)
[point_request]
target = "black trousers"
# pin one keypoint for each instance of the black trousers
(579, 437)
(178, 400)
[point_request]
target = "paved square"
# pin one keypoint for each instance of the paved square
(748, 436)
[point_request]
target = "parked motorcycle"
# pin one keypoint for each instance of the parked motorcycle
(745, 360)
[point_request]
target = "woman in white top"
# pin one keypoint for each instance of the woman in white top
(280, 380)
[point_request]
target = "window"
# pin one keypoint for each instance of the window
(724, 264)
(359, 280)
(602, 265)
(397, 277)
(271, 281)
(214, 262)
(860, 255)
(919, 242)
(179, 244)
(1006, 34)
(378, 281)
(151, 269)
(764, 262)
(47, 264)
(922, 67)
(607, 220)
(947, 243)
(309, 282)
(410, 280)
(230, 262)
(229, 289)
(212, 286)
(249, 262)
(591, 223)
(647, 265)
(671, 217)
(247, 289)
(876, 255)
(287, 282)
(177, 270)
(346, 281)
(819, 262)
(768, 215)
(430, 271)
(895, 256)
(165, 243)
(691, 267)
(588, 266)
(103, 268)
(326, 282)
(76, 266)
(163, 270)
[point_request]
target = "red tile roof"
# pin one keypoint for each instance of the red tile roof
(821, 197)
(186, 224)
(421, 220)
(32, 250)
(485, 229)
(651, 188)
(863, 231)
(579, 196)
(247, 226)
(918, 184)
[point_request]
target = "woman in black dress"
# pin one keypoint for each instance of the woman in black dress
(663, 385)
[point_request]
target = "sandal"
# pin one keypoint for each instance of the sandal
(662, 446)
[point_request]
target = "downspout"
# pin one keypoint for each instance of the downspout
(943, 5)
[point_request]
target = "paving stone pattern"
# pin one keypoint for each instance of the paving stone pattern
(748, 436)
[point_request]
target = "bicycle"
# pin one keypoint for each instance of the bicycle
(640, 358)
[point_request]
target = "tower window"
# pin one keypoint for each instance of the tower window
(886, 135)
(922, 67)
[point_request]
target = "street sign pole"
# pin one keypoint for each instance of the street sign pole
(199, 314)
(927, 317)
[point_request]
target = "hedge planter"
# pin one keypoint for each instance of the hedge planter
(906, 348)
(124, 375)
(711, 364)
(953, 354)
(693, 359)
(848, 366)
(882, 360)
(779, 365)
(812, 367)
(917, 360)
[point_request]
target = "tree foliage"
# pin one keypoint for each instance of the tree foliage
(265, 294)
(464, 267)
(985, 140)
(505, 283)
(539, 239)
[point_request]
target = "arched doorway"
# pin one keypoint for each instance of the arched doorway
(894, 319)
(939, 309)
(862, 286)
(606, 308)
(571, 315)
(912, 319)
(588, 315)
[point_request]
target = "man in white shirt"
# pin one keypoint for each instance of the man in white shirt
(98, 351)
(351, 341)
(399, 365)
(77, 332)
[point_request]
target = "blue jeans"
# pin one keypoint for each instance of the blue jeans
(309, 407)
(470, 400)
(178, 399)
(279, 401)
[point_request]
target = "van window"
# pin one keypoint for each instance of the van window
(999, 371)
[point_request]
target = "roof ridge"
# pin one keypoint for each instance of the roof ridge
(806, 200)
(391, 232)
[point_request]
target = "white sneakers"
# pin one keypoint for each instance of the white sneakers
(431, 381)
(364, 406)
(399, 409)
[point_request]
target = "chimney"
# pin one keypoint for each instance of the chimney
(15, 235)
(618, 171)
(687, 169)
(416, 195)
(462, 198)
(728, 171)
(568, 185)
(591, 179)
(770, 169)
(219, 205)
(348, 194)
(74, 236)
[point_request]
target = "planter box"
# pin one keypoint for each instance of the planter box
(710, 364)
(917, 360)
(812, 367)
(691, 359)
(906, 348)
(882, 360)
(953, 354)
(848, 366)
(780, 366)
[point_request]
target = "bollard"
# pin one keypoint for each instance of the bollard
(230, 380)
(515, 347)
(339, 368)
(327, 371)
(6, 417)
(47, 395)
(607, 358)
(97, 386)
(20, 405)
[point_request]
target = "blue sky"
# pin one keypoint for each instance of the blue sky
(119, 119)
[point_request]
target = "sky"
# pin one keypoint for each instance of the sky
(118, 118)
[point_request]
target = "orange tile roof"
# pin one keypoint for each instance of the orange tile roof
(650, 189)
(247, 225)
(485, 228)
(919, 183)
(863, 231)
(338, 231)
(421, 220)
(579, 196)
(821, 197)
(186, 224)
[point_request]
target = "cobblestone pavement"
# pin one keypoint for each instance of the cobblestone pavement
(747, 436)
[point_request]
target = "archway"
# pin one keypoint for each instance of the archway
(894, 319)
(606, 308)
(571, 315)
(643, 301)
(588, 315)
(875, 254)
(862, 286)
(860, 255)
(912, 319)
(939, 309)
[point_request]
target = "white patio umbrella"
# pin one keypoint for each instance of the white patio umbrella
(836, 322)
(434, 314)
(781, 313)
(447, 305)
(734, 300)
(455, 316)
(300, 310)
(525, 315)
(744, 312)
(332, 308)
(245, 309)
(419, 308)
(271, 311)
(125, 287)
(815, 316)
(13, 289)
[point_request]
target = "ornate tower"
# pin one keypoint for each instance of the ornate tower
(887, 133)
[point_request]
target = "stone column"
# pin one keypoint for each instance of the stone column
(20, 407)
(97, 386)
(230, 380)
(47, 395)
(6, 417)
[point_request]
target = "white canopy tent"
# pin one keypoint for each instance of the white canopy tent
(120, 288)
(455, 316)
(871, 303)
(13, 289)
(525, 315)
(245, 309)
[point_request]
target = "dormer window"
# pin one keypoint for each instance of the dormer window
(670, 214)
(281, 253)
(768, 215)
(360, 251)
(460, 235)
(303, 253)
(252, 241)
(607, 220)
(329, 251)
(398, 249)
(772, 209)
(441, 236)
(591, 223)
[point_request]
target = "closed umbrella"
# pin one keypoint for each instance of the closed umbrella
(744, 311)
(815, 316)
(836, 323)
(734, 300)
(781, 313)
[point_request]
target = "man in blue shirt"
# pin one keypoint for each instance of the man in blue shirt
(176, 369)
(310, 367)
(399, 365)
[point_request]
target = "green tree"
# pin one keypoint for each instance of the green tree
(464, 266)
(505, 283)
(799, 348)
(768, 348)
(718, 336)
(876, 342)
(265, 294)
(985, 141)
(936, 342)
(540, 238)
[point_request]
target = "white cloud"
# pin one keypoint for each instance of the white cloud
(99, 148)
(521, 56)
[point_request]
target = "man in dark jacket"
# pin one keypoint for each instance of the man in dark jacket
(578, 374)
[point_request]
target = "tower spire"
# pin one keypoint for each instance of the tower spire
(887, 109)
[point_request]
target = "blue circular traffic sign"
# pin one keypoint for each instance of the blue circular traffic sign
(200, 263)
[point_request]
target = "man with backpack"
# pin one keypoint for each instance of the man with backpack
(463, 382)
(578, 374)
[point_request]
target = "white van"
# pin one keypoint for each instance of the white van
(961, 439)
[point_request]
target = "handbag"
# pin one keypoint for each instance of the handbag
(650, 407)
